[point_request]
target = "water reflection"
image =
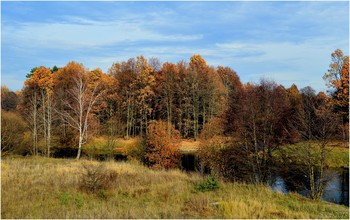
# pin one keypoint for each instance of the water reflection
(336, 190)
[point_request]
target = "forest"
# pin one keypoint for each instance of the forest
(240, 127)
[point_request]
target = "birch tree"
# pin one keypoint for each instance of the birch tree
(82, 98)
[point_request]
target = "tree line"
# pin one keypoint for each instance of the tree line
(67, 106)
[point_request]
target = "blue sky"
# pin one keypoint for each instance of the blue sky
(289, 42)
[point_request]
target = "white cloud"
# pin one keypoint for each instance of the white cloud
(284, 40)
(81, 33)
(286, 62)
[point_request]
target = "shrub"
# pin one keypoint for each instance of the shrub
(15, 135)
(209, 184)
(209, 153)
(162, 148)
(96, 178)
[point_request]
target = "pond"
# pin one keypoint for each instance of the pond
(336, 190)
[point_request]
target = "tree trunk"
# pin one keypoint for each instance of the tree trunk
(35, 129)
(49, 121)
(128, 119)
(79, 147)
(43, 97)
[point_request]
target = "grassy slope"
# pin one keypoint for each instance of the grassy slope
(337, 155)
(48, 188)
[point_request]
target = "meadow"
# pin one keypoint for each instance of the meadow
(337, 153)
(38, 187)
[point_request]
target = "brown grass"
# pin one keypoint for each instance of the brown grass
(189, 145)
(50, 188)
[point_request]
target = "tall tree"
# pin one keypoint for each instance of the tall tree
(31, 104)
(198, 67)
(143, 85)
(43, 78)
(183, 101)
(82, 98)
(107, 107)
(317, 123)
(261, 125)
(295, 115)
(167, 80)
(125, 74)
(234, 92)
(338, 79)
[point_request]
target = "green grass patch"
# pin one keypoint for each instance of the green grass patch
(337, 155)
(209, 184)
(104, 146)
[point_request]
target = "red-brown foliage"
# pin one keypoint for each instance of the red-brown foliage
(162, 149)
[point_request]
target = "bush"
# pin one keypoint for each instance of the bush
(209, 184)
(209, 153)
(15, 135)
(96, 178)
(162, 148)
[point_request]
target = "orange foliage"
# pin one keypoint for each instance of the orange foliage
(41, 78)
(197, 63)
(338, 78)
(162, 149)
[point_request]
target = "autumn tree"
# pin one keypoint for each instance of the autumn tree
(200, 90)
(38, 104)
(234, 92)
(81, 98)
(317, 123)
(14, 133)
(107, 107)
(43, 78)
(125, 74)
(197, 67)
(9, 99)
(183, 101)
(212, 141)
(162, 147)
(295, 115)
(144, 93)
(167, 80)
(213, 96)
(261, 125)
(338, 79)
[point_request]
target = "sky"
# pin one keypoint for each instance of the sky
(289, 42)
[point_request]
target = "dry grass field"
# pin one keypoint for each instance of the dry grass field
(37, 187)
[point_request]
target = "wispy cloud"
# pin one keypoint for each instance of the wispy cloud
(290, 41)
(80, 33)
(286, 62)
